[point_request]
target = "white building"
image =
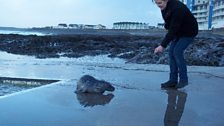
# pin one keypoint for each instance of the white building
(99, 26)
(218, 14)
(79, 26)
(209, 13)
(201, 11)
(74, 26)
(62, 25)
(130, 25)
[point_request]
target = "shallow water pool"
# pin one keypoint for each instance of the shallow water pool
(12, 85)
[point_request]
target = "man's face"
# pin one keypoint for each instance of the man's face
(161, 4)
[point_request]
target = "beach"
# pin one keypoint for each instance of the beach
(137, 99)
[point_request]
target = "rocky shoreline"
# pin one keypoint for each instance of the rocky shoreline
(206, 50)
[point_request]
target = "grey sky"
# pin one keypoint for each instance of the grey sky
(40, 13)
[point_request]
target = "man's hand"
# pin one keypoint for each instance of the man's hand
(158, 49)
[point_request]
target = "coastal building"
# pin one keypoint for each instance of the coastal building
(202, 11)
(218, 14)
(99, 26)
(209, 13)
(74, 26)
(130, 25)
(62, 25)
(80, 26)
(160, 25)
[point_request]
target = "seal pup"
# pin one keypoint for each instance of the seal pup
(88, 84)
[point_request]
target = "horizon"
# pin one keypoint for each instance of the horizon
(42, 13)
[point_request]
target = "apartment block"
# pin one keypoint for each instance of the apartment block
(130, 25)
(209, 13)
(218, 14)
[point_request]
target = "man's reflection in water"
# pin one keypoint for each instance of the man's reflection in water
(175, 107)
(90, 100)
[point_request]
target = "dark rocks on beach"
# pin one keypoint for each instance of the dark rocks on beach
(207, 48)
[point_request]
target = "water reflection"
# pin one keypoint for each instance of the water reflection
(175, 107)
(90, 100)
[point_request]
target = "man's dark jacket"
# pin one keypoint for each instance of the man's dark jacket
(179, 22)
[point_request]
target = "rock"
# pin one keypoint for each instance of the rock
(221, 44)
(207, 48)
(88, 84)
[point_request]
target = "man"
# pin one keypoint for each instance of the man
(182, 28)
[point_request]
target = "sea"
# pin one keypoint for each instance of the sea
(21, 32)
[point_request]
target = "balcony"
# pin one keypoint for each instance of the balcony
(202, 20)
(200, 16)
(218, 14)
(218, 7)
(200, 11)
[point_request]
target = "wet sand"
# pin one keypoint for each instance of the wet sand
(137, 99)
